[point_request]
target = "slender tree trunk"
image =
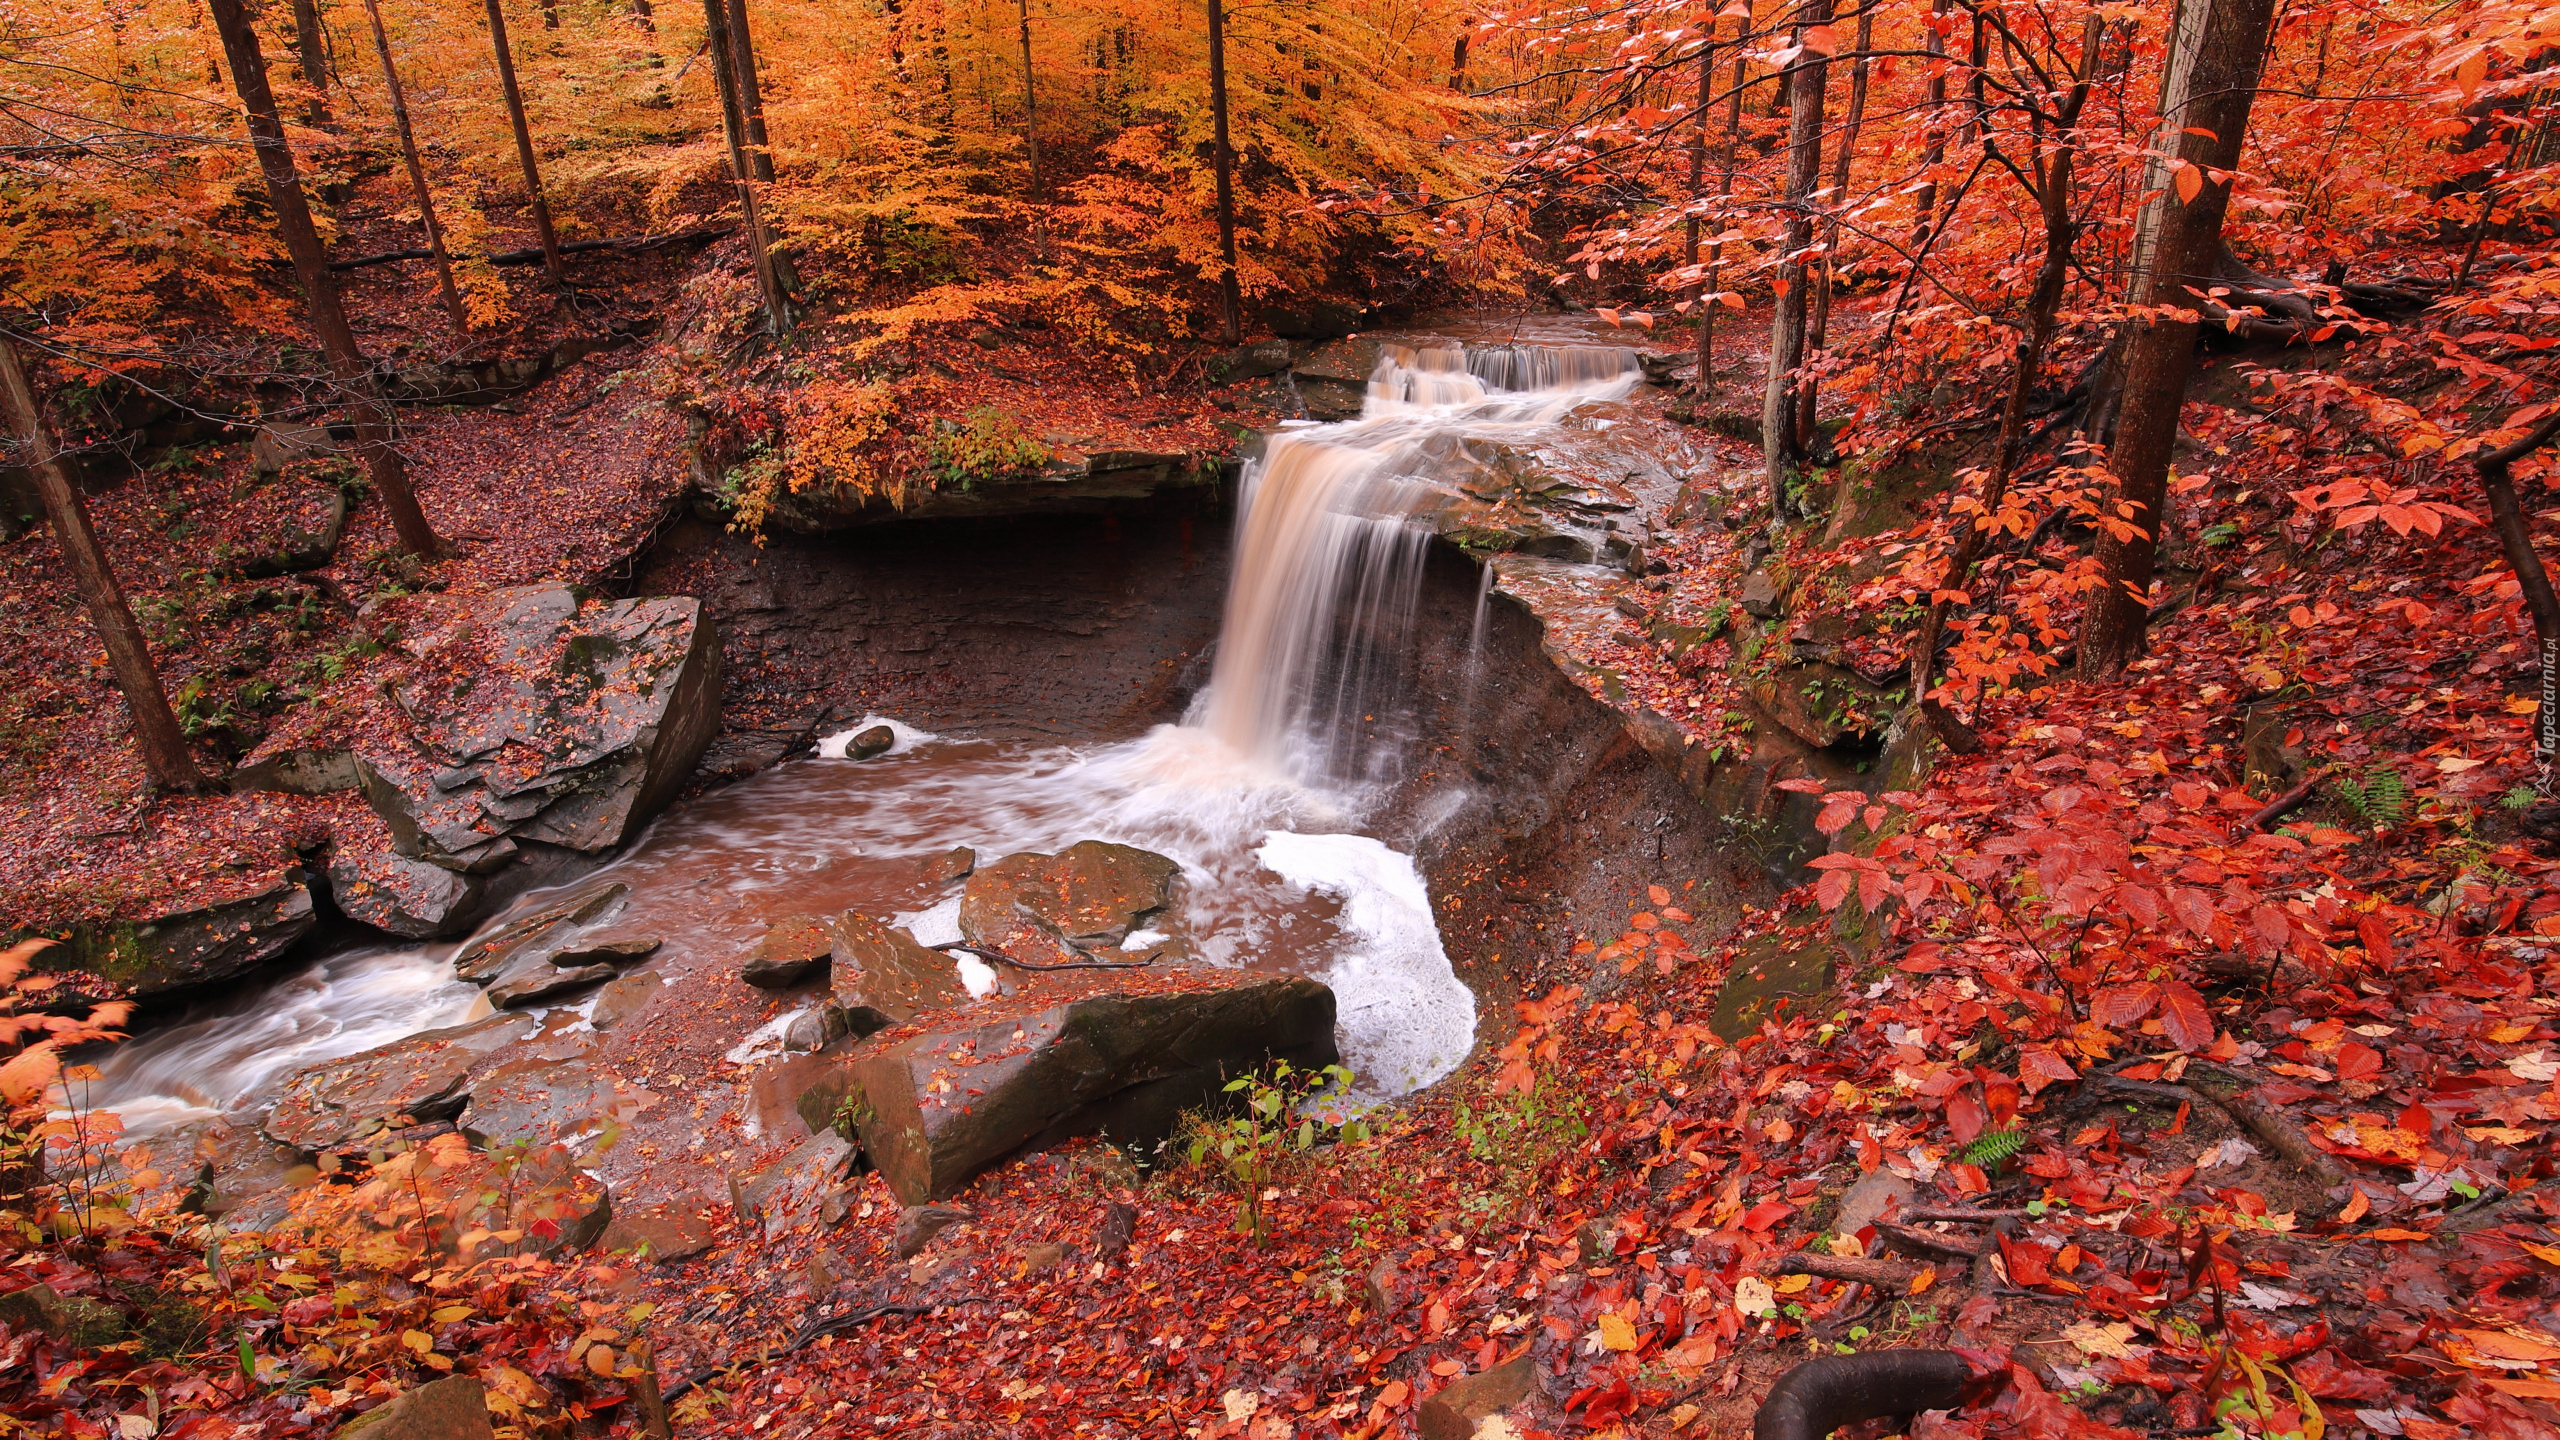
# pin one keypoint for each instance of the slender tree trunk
(347, 364)
(646, 14)
(155, 729)
(742, 51)
(1933, 150)
(1697, 188)
(417, 173)
(2540, 601)
(1231, 303)
(2044, 304)
(1727, 160)
(724, 75)
(2212, 116)
(1458, 56)
(542, 228)
(1807, 77)
(311, 47)
(1818, 339)
(1030, 98)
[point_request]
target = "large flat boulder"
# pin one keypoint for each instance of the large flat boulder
(943, 1102)
(1055, 909)
(531, 716)
(338, 1103)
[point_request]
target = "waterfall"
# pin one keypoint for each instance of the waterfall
(1328, 559)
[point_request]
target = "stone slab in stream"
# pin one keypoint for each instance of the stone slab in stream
(425, 1077)
(1051, 909)
(945, 1100)
(534, 717)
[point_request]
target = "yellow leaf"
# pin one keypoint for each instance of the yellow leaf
(450, 1313)
(1793, 1285)
(2509, 1033)
(1616, 1333)
(1924, 1279)
(418, 1340)
(2547, 1254)
(600, 1359)
(2499, 1134)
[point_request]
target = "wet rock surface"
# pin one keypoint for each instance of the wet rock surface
(969, 1089)
(882, 977)
(535, 718)
(339, 1103)
(404, 897)
(1059, 909)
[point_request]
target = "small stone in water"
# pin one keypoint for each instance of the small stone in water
(874, 741)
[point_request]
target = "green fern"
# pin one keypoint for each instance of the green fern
(1993, 1148)
(2380, 799)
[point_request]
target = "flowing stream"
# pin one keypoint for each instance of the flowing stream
(1260, 793)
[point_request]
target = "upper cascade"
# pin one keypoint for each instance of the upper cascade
(1469, 374)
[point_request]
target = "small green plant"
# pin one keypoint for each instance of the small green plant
(1278, 1122)
(1994, 1148)
(987, 446)
(2380, 799)
(2520, 798)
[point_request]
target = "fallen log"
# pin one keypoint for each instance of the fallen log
(620, 245)
(1820, 1396)
(1891, 1276)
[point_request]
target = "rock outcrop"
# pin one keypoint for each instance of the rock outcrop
(535, 717)
(401, 896)
(940, 1105)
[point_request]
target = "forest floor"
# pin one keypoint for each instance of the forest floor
(1607, 1190)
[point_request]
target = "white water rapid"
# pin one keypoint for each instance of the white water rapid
(1259, 794)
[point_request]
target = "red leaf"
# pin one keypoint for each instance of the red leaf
(2118, 1006)
(2184, 1016)
(2357, 1062)
(1964, 1116)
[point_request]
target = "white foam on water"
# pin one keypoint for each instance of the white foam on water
(935, 927)
(1405, 1018)
(833, 747)
(976, 974)
(1141, 939)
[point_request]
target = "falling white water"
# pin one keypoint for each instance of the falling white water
(1326, 544)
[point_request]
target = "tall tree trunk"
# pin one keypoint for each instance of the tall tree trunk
(417, 173)
(1030, 98)
(1807, 77)
(1728, 160)
(311, 47)
(717, 40)
(1933, 150)
(2540, 601)
(2044, 303)
(742, 52)
(647, 15)
(1231, 303)
(550, 238)
(1458, 55)
(155, 728)
(347, 364)
(2205, 104)
(1697, 186)
(1818, 338)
